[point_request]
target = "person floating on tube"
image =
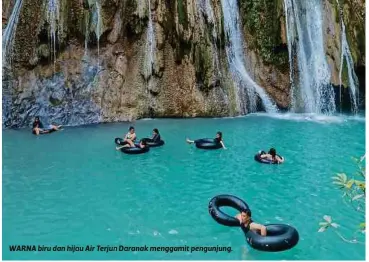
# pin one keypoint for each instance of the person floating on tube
(245, 220)
(218, 140)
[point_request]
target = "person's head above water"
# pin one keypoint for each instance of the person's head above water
(155, 131)
(272, 152)
(219, 135)
(37, 119)
(131, 129)
(246, 216)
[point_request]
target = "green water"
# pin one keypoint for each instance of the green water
(73, 188)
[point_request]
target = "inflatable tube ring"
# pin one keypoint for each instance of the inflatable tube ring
(230, 201)
(257, 158)
(119, 141)
(279, 237)
(135, 150)
(151, 143)
(207, 143)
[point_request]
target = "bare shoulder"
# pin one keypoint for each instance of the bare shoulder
(254, 225)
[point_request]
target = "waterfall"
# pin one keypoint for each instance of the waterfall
(96, 23)
(98, 27)
(87, 32)
(53, 19)
(236, 58)
(150, 45)
(312, 92)
(352, 78)
(9, 32)
(206, 8)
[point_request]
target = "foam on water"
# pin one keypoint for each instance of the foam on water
(312, 117)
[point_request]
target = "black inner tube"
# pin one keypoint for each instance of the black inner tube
(279, 237)
(207, 143)
(265, 161)
(151, 143)
(45, 131)
(226, 200)
(135, 150)
(119, 141)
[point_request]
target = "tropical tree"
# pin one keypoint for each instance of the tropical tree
(353, 190)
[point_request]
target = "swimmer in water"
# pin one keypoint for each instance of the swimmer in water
(218, 140)
(245, 220)
(272, 156)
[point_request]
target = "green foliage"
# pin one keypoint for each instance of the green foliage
(353, 195)
(182, 13)
(262, 21)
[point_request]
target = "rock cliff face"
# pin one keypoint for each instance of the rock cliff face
(88, 61)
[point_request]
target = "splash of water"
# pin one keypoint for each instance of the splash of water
(9, 32)
(236, 58)
(352, 78)
(312, 93)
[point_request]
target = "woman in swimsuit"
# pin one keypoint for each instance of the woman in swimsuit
(130, 137)
(245, 220)
(218, 140)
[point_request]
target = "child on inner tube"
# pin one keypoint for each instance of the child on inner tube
(218, 140)
(245, 220)
(272, 156)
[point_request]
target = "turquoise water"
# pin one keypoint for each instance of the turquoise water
(73, 188)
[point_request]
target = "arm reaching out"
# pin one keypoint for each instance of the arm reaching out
(255, 226)
(221, 142)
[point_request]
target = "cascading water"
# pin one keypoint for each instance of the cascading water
(87, 32)
(312, 93)
(9, 32)
(53, 19)
(150, 45)
(97, 23)
(236, 58)
(352, 78)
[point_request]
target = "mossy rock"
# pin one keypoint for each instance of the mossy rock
(203, 58)
(261, 20)
(182, 13)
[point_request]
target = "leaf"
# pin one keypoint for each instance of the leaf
(340, 184)
(327, 218)
(357, 197)
(335, 225)
(349, 183)
(362, 225)
(323, 224)
(322, 229)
